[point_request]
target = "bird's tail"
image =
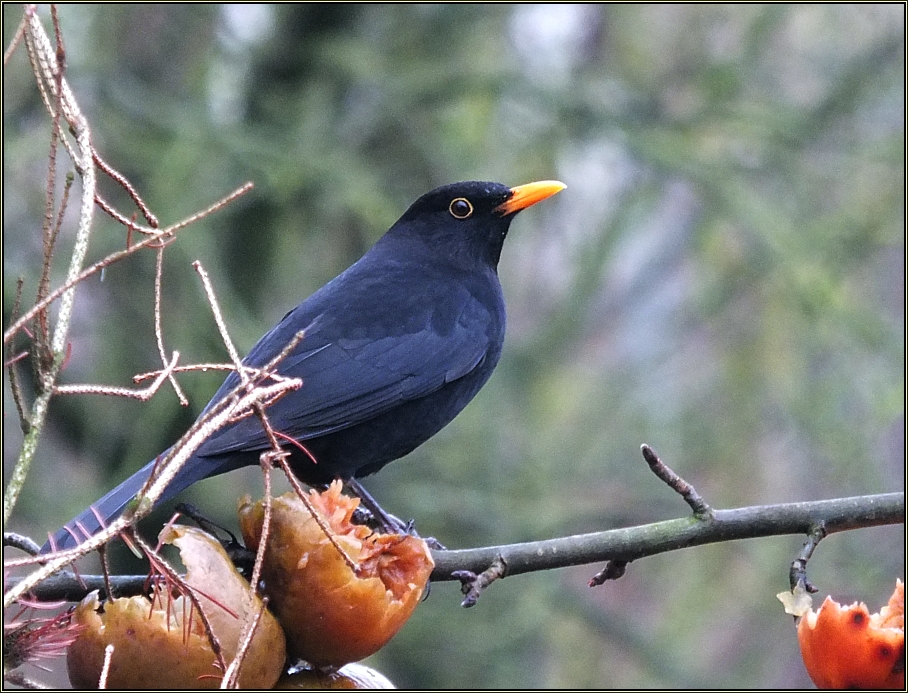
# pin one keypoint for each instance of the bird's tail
(101, 513)
(91, 520)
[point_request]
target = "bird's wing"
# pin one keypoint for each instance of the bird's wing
(353, 373)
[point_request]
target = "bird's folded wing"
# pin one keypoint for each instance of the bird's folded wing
(350, 380)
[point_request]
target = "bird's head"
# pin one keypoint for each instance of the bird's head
(467, 222)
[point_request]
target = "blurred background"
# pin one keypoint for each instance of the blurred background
(723, 279)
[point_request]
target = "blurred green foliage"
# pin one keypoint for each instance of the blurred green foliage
(723, 279)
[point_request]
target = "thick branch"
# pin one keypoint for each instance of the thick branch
(632, 543)
(624, 544)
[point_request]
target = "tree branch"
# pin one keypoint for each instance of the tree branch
(622, 545)
(49, 77)
(632, 543)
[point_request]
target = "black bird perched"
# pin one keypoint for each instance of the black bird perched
(394, 348)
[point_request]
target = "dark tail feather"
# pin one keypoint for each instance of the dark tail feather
(104, 511)
(99, 514)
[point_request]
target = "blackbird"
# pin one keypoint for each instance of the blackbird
(394, 348)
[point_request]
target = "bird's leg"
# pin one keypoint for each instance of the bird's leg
(388, 522)
(242, 558)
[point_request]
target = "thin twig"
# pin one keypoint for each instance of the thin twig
(93, 269)
(21, 542)
(15, 385)
(13, 359)
(127, 186)
(612, 571)
(701, 510)
(105, 570)
(42, 345)
(189, 591)
(43, 60)
(259, 409)
(259, 373)
(128, 222)
(234, 355)
(237, 402)
(797, 575)
(473, 585)
(17, 37)
(58, 38)
(39, 43)
(232, 675)
(57, 71)
(266, 424)
(44, 360)
(44, 354)
(180, 453)
(241, 372)
(219, 321)
(224, 411)
(158, 331)
(143, 394)
(319, 520)
(220, 204)
(266, 461)
(158, 237)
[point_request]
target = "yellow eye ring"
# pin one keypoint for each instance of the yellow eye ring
(460, 208)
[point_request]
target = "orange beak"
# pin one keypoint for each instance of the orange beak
(524, 196)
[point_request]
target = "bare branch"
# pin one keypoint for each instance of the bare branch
(164, 235)
(144, 394)
(129, 223)
(276, 450)
(219, 321)
(44, 360)
(127, 186)
(42, 345)
(838, 515)
(797, 575)
(676, 483)
(44, 65)
(67, 586)
(39, 46)
(162, 566)
(104, 555)
(21, 542)
(11, 360)
(219, 415)
(220, 204)
(158, 332)
(319, 520)
(226, 410)
(266, 460)
(17, 37)
(232, 675)
(260, 373)
(633, 543)
(473, 585)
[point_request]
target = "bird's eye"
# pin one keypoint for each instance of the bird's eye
(460, 208)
